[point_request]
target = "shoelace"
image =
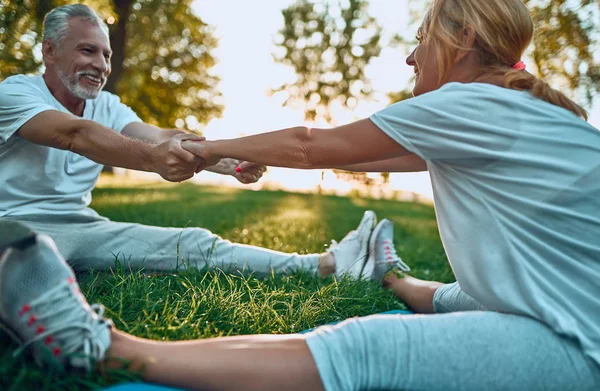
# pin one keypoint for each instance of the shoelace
(392, 260)
(60, 305)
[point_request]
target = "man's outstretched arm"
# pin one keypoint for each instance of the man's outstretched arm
(105, 146)
(245, 172)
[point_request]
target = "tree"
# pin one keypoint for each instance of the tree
(564, 43)
(161, 62)
(329, 44)
(400, 95)
(565, 39)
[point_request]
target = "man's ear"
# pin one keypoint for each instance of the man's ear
(49, 52)
(467, 43)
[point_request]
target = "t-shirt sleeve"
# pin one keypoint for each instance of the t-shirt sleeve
(453, 123)
(19, 102)
(121, 115)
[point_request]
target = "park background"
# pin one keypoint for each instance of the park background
(226, 68)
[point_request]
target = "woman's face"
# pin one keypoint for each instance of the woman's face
(424, 63)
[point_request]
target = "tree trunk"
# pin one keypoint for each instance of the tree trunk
(118, 37)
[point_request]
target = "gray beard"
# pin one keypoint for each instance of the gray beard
(72, 84)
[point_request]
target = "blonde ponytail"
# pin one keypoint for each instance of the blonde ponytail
(524, 81)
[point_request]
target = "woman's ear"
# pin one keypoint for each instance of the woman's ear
(467, 43)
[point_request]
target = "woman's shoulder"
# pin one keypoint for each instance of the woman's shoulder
(478, 88)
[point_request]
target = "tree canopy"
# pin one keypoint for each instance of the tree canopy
(329, 44)
(162, 55)
(563, 48)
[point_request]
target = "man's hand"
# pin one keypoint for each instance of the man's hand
(201, 150)
(248, 172)
(173, 162)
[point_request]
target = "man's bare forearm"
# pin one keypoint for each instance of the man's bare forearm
(105, 146)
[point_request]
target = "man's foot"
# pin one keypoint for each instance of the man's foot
(383, 255)
(352, 253)
(41, 306)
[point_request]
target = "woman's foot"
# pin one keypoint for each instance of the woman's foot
(41, 306)
(384, 258)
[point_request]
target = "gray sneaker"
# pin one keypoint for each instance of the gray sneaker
(352, 253)
(41, 306)
(383, 254)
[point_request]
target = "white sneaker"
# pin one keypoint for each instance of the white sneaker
(351, 254)
(41, 306)
(383, 255)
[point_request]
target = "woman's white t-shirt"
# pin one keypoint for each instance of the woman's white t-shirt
(516, 184)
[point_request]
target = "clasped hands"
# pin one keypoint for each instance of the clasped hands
(183, 155)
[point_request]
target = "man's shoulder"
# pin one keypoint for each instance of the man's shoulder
(21, 79)
(21, 83)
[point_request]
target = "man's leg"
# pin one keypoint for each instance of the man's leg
(460, 351)
(95, 242)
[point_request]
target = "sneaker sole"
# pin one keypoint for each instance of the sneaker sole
(373, 239)
(370, 245)
(15, 234)
(11, 333)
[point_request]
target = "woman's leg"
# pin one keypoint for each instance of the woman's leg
(460, 351)
(428, 297)
(258, 362)
(417, 294)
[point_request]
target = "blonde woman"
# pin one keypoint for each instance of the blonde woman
(516, 175)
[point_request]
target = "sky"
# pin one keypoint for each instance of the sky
(246, 31)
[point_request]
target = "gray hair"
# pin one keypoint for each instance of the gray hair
(56, 22)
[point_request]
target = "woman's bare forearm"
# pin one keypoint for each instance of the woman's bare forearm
(409, 163)
(306, 148)
(288, 148)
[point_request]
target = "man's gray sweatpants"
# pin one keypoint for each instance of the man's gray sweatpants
(466, 348)
(94, 242)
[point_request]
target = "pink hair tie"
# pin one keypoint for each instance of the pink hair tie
(520, 66)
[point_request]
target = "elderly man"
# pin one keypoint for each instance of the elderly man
(58, 129)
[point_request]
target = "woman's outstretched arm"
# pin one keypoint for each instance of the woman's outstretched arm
(408, 163)
(307, 148)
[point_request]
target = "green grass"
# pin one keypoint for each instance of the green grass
(194, 304)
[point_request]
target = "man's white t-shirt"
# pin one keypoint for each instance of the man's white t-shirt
(39, 180)
(516, 184)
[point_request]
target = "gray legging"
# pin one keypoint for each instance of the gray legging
(91, 241)
(466, 349)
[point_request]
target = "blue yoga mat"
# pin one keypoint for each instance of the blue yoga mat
(148, 387)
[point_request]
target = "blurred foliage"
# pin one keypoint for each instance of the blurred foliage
(564, 44)
(566, 38)
(161, 62)
(329, 44)
(395, 97)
